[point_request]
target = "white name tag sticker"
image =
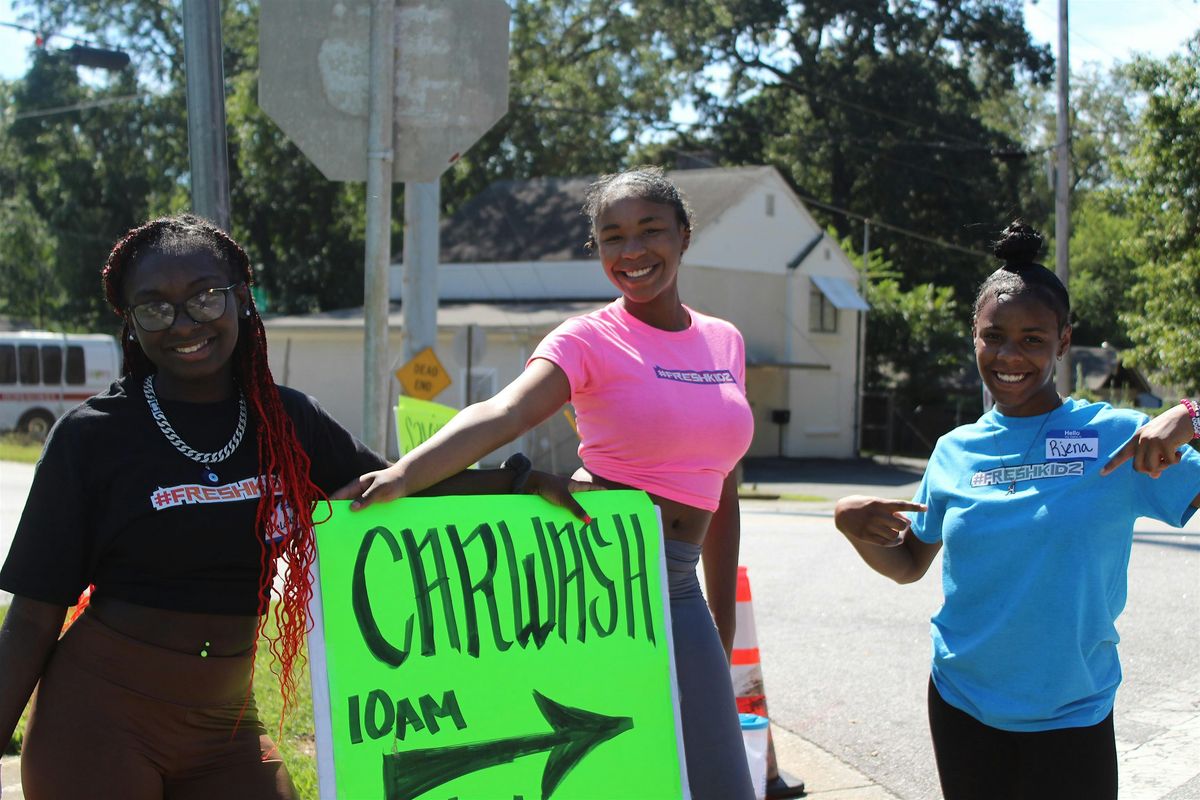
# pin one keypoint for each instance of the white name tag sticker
(1073, 445)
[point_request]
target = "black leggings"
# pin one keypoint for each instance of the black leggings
(979, 762)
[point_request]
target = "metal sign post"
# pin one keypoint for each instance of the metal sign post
(206, 111)
(376, 386)
(407, 116)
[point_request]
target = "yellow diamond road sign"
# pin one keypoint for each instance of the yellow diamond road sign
(423, 377)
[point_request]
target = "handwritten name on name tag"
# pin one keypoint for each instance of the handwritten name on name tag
(1072, 445)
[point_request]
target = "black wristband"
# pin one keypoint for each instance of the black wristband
(521, 467)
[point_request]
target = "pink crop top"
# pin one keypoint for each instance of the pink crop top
(663, 411)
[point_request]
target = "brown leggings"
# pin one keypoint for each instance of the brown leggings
(117, 718)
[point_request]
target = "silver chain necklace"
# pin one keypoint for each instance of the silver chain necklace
(180, 445)
(1012, 486)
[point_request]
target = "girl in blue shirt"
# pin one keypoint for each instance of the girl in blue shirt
(1034, 504)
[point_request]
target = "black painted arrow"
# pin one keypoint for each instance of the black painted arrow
(576, 732)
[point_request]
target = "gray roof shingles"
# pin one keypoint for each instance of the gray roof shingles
(541, 219)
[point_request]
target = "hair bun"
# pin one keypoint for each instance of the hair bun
(1018, 244)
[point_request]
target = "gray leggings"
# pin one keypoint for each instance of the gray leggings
(712, 736)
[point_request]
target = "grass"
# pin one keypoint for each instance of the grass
(297, 745)
(19, 447)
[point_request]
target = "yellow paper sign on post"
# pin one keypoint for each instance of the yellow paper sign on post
(423, 376)
(417, 420)
(494, 647)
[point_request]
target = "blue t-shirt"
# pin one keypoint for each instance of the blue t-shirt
(1035, 580)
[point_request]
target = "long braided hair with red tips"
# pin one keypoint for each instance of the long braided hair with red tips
(283, 530)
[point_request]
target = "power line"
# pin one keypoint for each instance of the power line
(43, 35)
(895, 228)
(870, 220)
(83, 106)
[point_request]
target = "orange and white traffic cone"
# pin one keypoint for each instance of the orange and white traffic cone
(746, 673)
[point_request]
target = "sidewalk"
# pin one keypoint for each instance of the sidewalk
(825, 775)
(10, 778)
(824, 480)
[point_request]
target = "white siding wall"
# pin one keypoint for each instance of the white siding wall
(328, 364)
(735, 269)
(745, 239)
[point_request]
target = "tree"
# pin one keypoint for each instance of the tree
(1163, 173)
(1102, 268)
(586, 78)
(81, 177)
(917, 344)
(874, 107)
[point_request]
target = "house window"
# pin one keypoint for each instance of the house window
(8, 363)
(75, 370)
(770, 205)
(822, 314)
(52, 358)
(28, 363)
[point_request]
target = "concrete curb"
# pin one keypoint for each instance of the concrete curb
(825, 775)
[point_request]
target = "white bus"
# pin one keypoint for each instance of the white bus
(43, 374)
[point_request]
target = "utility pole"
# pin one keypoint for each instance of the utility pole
(376, 376)
(861, 357)
(206, 110)
(1065, 378)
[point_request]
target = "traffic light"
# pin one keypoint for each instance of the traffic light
(96, 57)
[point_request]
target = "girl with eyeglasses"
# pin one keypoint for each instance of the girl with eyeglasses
(173, 495)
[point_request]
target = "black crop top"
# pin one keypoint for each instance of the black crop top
(114, 504)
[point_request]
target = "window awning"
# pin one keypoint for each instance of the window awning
(840, 292)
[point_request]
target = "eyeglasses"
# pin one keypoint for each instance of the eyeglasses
(205, 306)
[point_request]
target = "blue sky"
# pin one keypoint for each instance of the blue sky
(1102, 31)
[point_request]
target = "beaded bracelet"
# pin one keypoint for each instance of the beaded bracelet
(1194, 413)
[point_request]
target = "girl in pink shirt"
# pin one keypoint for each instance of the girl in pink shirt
(660, 397)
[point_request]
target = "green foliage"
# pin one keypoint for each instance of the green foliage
(78, 179)
(19, 447)
(917, 341)
(875, 107)
(303, 234)
(1163, 172)
(297, 744)
(1102, 269)
(586, 79)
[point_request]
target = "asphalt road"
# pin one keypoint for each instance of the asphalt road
(14, 486)
(845, 651)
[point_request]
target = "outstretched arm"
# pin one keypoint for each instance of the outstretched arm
(876, 528)
(720, 554)
(474, 432)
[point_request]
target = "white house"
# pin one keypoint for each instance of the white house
(513, 264)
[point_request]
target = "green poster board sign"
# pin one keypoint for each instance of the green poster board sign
(417, 420)
(494, 647)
